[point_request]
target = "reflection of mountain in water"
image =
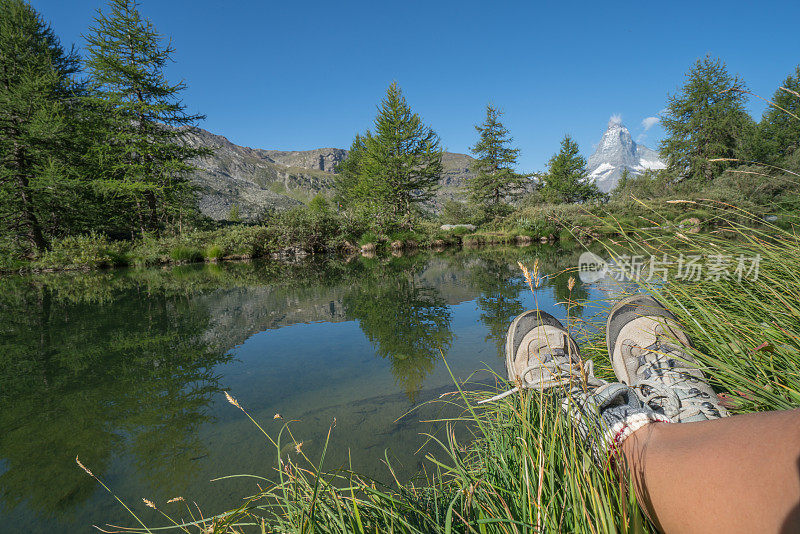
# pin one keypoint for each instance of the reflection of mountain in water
(238, 313)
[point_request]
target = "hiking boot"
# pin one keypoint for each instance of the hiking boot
(648, 350)
(541, 354)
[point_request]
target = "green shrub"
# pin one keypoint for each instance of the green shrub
(535, 227)
(460, 231)
(184, 253)
(214, 252)
(369, 237)
(319, 204)
(308, 229)
(244, 241)
(454, 212)
(90, 251)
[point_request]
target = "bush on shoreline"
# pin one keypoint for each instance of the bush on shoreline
(318, 228)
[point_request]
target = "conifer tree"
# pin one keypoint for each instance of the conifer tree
(396, 167)
(37, 97)
(352, 185)
(566, 179)
(705, 120)
(143, 156)
(780, 124)
(495, 179)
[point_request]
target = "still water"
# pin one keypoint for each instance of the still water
(128, 369)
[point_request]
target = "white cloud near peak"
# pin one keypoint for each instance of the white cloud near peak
(649, 122)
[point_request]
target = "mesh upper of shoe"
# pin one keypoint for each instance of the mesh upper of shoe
(666, 375)
(546, 357)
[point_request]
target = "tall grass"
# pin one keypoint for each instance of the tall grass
(747, 333)
(523, 467)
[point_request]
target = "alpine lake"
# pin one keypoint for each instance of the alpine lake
(128, 370)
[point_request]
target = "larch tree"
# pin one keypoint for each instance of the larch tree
(566, 179)
(495, 179)
(142, 153)
(705, 120)
(396, 166)
(780, 125)
(37, 92)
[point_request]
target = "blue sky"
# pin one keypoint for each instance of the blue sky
(302, 75)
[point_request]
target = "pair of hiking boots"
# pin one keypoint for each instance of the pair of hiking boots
(658, 379)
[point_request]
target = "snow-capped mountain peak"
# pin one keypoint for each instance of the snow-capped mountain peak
(616, 152)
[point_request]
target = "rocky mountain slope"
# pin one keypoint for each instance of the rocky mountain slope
(616, 152)
(253, 179)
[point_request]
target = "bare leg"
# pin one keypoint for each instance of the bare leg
(736, 474)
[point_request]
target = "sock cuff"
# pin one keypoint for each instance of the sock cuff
(622, 429)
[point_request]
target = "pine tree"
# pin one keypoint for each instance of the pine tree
(495, 179)
(566, 179)
(395, 168)
(37, 97)
(705, 120)
(142, 155)
(780, 125)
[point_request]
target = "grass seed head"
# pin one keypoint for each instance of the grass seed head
(84, 467)
(232, 400)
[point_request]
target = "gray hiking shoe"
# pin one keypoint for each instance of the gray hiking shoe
(540, 354)
(647, 347)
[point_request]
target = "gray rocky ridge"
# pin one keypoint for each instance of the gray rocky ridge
(254, 179)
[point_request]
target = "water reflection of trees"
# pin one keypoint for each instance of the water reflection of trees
(97, 373)
(500, 283)
(407, 321)
(122, 364)
(496, 274)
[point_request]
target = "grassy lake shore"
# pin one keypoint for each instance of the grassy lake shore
(314, 230)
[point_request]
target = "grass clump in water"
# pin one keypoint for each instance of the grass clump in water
(215, 252)
(185, 254)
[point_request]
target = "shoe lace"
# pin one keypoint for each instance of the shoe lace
(557, 370)
(665, 380)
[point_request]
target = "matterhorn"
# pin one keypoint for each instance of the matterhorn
(616, 152)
